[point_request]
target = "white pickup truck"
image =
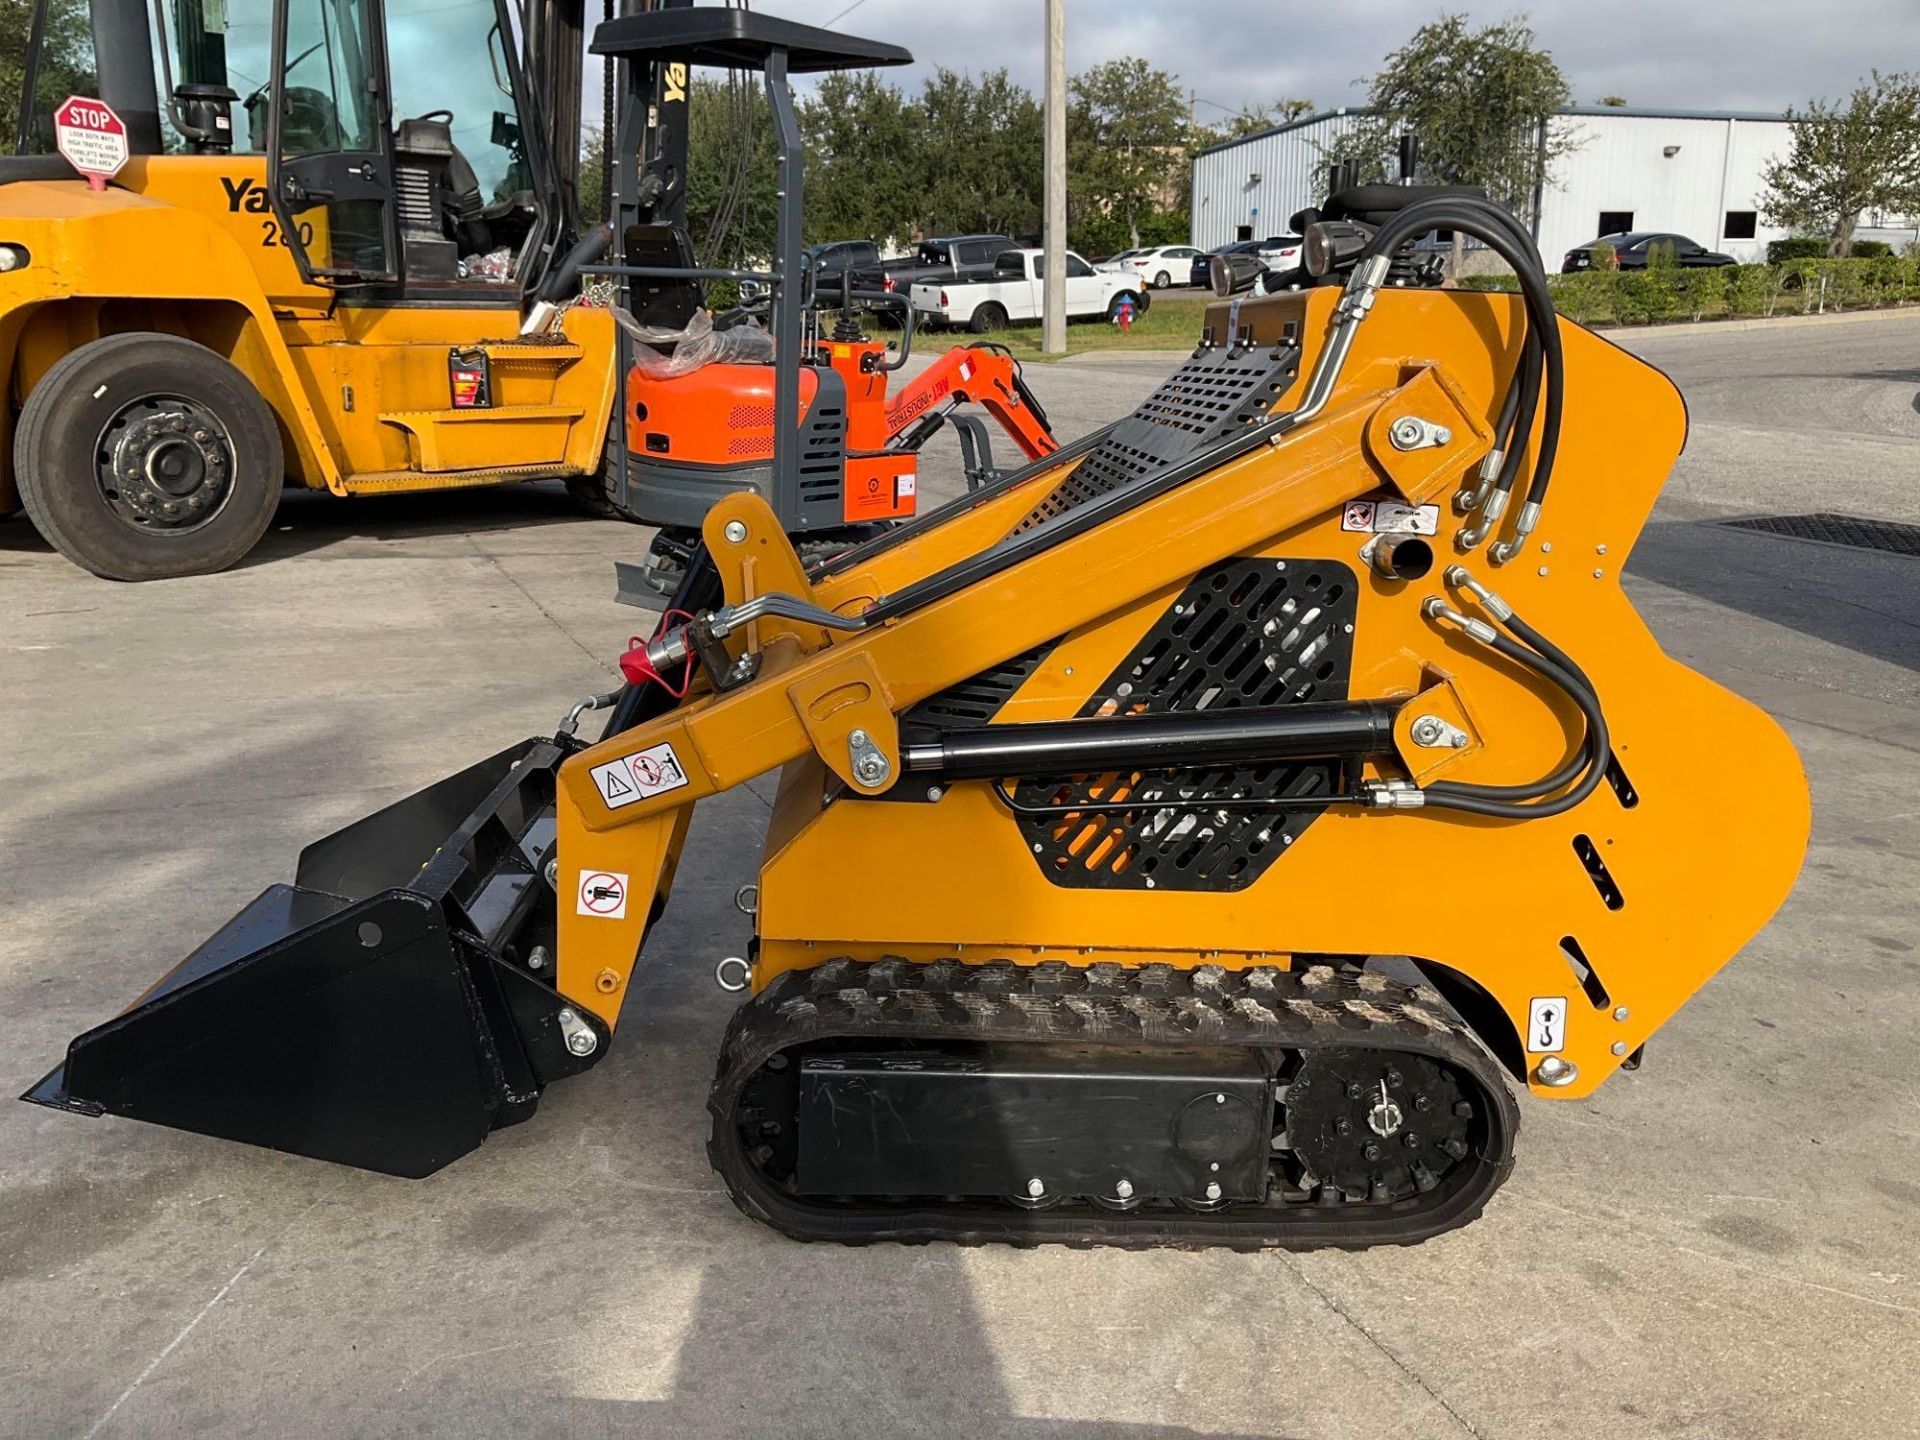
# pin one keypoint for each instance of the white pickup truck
(1013, 293)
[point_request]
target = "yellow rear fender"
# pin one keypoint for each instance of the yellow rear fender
(109, 263)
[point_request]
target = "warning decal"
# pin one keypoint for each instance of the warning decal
(603, 893)
(1547, 1023)
(640, 776)
(1390, 517)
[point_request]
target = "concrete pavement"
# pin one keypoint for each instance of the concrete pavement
(1727, 1244)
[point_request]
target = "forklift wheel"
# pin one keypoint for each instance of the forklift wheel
(589, 493)
(145, 456)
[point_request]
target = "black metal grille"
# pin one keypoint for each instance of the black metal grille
(1213, 393)
(1831, 529)
(1247, 632)
(976, 700)
(823, 454)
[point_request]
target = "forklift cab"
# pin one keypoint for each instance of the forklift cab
(425, 153)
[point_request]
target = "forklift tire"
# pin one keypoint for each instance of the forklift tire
(204, 449)
(589, 493)
(988, 318)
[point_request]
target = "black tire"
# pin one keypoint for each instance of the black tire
(1162, 280)
(591, 494)
(988, 318)
(125, 392)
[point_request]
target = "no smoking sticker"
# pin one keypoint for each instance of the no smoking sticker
(640, 776)
(603, 893)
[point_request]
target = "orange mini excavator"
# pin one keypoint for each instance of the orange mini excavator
(693, 437)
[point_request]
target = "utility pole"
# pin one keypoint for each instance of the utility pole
(1053, 287)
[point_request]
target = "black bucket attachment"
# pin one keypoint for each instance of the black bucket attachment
(386, 1010)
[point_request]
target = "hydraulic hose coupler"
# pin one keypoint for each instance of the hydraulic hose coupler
(657, 657)
(1392, 795)
(1523, 527)
(1458, 577)
(1469, 536)
(1438, 611)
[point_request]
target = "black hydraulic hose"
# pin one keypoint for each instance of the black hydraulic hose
(1526, 390)
(1575, 765)
(1489, 223)
(1589, 761)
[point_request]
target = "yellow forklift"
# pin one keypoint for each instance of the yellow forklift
(345, 250)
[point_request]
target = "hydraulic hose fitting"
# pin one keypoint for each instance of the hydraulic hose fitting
(1471, 535)
(1522, 528)
(1458, 577)
(1364, 284)
(1441, 613)
(593, 702)
(1392, 795)
(1469, 498)
(663, 653)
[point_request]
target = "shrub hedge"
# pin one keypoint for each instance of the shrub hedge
(1804, 286)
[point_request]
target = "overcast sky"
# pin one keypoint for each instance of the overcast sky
(1701, 54)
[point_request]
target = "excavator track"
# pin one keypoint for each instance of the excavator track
(1330, 1039)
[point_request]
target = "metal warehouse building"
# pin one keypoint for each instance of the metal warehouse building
(1693, 172)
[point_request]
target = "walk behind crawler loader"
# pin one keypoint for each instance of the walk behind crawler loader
(364, 279)
(1118, 803)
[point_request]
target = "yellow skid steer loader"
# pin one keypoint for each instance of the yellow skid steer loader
(1199, 836)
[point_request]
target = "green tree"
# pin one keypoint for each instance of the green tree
(1614, 102)
(980, 152)
(732, 192)
(66, 62)
(1862, 154)
(866, 179)
(593, 199)
(1252, 119)
(1128, 142)
(1480, 102)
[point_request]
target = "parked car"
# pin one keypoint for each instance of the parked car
(1157, 265)
(953, 257)
(1012, 292)
(1280, 252)
(1244, 265)
(835, 258)
(1632, 250)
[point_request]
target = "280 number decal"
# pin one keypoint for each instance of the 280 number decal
(271, 235)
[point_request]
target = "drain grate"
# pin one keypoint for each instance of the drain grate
(1830, 529)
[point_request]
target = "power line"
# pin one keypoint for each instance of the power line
(844, 13)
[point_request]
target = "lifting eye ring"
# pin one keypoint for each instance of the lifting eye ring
(725, 969)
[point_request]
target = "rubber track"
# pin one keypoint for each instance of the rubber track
(1264, 1007)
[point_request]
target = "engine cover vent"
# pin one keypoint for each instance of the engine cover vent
(1245, 632)
(1213, 394)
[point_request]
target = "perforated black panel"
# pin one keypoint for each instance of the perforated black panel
(1212, 394)
(823, 454)
(1246, 632)
(976, 700)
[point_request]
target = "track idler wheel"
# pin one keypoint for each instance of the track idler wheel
(1377, 1124)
